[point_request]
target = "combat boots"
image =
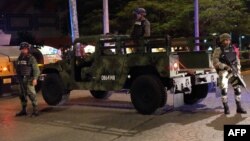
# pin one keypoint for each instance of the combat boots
(23, 112)
(239, 109)
(226, 108)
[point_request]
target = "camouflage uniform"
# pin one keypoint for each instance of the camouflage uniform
(141, 26)
(225, 74)
(27, 71)
(141, 29)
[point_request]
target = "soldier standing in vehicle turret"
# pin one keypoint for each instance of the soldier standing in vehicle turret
(141, 29)
(225, 71)
(142, 25)
(27, 72)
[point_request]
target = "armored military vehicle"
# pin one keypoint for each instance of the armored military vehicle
(146, 68)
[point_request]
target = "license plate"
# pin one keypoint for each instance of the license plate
(7, 81)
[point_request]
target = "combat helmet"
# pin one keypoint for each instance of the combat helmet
(224, 36)
(24, 45)
(140, 11)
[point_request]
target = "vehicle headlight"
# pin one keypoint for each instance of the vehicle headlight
(5, 69)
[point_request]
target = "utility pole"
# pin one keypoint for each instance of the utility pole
(105, 17)
(196, 25)
(73, 20)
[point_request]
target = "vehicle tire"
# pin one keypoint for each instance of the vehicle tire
(201, 91)
(163, 93)
(53, 90)
(198, 93)
(100, 94)
(146, 94)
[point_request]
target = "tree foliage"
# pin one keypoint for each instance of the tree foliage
(90, 15)
(223, 16)
(166, 16)
(174, 17)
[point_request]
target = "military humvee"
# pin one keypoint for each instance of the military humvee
(145, 67)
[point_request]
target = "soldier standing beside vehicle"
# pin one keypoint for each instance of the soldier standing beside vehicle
(27, 72)
(225, 71)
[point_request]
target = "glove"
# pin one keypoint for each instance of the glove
(227, 68)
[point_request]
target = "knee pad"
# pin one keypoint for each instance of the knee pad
(224, 92)
(238, 98)
(237, 91)
(224, 99)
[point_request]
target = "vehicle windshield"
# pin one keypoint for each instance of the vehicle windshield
(83, 49)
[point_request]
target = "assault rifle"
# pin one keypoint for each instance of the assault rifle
(21, 84)
(234, 70)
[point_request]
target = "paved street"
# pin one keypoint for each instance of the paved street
(87, 119)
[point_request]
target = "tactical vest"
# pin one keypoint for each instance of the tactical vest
(230, 54)
(24, 67)
(139, 29)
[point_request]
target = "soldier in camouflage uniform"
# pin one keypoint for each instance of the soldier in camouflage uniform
(141, 28)
(142, 25)
(27, 72)
(225, 73)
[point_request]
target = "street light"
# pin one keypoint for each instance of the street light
(240, 41)
(196, 25)
(105, 17)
